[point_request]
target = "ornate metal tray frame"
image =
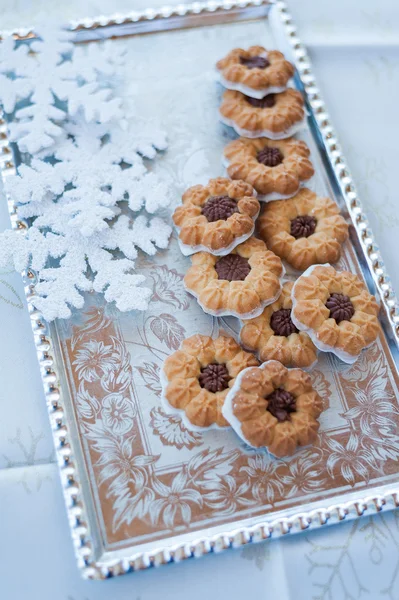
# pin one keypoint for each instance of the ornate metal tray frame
(180, 17)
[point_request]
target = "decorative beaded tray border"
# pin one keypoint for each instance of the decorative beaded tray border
(167, 18)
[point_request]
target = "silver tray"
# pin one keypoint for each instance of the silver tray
(116, 525)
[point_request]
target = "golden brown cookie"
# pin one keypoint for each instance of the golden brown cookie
(276, 169)
(255, 72)
(196, 378)
(336, 310)
(216, 217)
(275, 116)
(274, 407)
(273, 336)
(304, 230)
(241, 283)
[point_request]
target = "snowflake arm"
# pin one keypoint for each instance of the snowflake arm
(97, 103)
(143, 234)
(92, 67)
(14, 86)
(60, 287)
(148, 192)
(46, 71)
(31, 250)
(34, 183)
(91, 214)
(148, 138)
(38, 127)
(13, 57)
(115, 279)
(12, 90)
(94, 62)
(57, 39)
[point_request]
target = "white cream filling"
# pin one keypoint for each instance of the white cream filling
(344, 356)
(280, 135)
(257, 353)
(227, 409)
(169, 409)
(188, 250)
(274, 195)
(230, 313)
(248, 91)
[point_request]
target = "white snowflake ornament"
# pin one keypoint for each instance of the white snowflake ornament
(149, 136)
(86, 231)
(46, 74)
(87, 185)
(141, 233)
(69, 264)
(12, 59)
(92, 167)
(34, 183)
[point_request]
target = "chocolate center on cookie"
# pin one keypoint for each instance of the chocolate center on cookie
(218, 208)
(303, 226)
(340, 307)
(280, 404)
(254, 62)
(266, 102)
(214, 378)
(232, 267)
(270, 157)
(281, 322)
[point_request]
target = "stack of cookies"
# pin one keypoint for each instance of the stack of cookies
(217, 383)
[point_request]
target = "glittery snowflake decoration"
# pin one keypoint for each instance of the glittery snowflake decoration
(89, 201)
(101, 166)
(91, 205)
(83, 264)
(52, 79)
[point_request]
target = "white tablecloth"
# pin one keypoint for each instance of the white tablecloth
(355, 49)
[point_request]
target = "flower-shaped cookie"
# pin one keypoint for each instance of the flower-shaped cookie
(336, 310)
(196, 378)
(275, 169)
(274, 407)
(241, 283)
(255, 72)
(216, 217)
(304, 230)
(275, 116)
(274, 336)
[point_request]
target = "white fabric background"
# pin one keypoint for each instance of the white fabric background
(355, 49)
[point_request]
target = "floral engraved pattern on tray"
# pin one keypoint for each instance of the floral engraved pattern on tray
(150, 372)
(172, 430)
(306, 473)
(168, 330)
(168, 287)
(151, 477)
(322, 386)
(94, 360)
